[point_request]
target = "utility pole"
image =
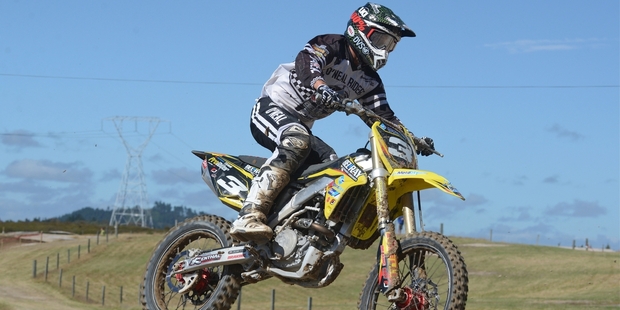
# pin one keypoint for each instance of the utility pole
(131, 199)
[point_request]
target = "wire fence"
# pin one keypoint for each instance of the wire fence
(78, 287)
(88, 291)
(95, 291)
(114, 296)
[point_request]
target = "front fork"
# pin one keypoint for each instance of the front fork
(409, 214)
(389, 278)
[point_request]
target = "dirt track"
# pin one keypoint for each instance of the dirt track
(19, 295)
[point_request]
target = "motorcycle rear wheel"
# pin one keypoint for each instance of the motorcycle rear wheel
(217, 287)
(433, 274)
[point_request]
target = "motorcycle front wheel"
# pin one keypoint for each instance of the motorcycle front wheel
(211, 288)
(433, 274)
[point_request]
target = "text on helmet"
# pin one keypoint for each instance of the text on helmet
(359, 22)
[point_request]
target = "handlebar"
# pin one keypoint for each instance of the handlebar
(369, 117)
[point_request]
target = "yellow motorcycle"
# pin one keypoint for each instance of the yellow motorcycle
(351, 201)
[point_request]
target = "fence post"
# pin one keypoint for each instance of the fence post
(103, 296)
(57, 260)
(273, 299)
(79, 248)
(310, 300)
(73, 287)
(34, 268)
(60, 278)
(88, 245)
(441, 228)
(121, 295)
(68, 256)
(47, 260)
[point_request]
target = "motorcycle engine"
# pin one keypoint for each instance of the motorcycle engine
(285, 243)
(289, 247)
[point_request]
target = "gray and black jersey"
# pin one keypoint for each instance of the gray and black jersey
(325, 57)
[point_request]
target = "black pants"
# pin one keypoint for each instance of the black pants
(269, 124)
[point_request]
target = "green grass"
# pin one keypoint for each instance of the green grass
(502, 276)
(508, 276)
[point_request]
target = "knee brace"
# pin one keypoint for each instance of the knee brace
(293, 148)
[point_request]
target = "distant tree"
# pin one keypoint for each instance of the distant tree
(94, 215)
(165, 215)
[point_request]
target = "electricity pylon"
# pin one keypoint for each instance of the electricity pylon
(131, 199)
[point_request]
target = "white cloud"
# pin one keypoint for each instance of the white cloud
(176, 175)
(30, 198)
(562, 132)
(577, 208)
(441, 205)
(19, 139)
(517, 214)
(48, 171)
(551, 179)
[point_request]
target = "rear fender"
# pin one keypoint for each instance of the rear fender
(227, 176)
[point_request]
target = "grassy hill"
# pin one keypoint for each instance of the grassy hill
(502, 276)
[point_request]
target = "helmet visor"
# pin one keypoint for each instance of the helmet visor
(383, 40)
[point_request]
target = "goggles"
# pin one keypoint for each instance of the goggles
(382, 40)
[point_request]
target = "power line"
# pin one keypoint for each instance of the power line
(91, 134)
(507, 86)
(260, 84)
(127, 80)
(53, 135)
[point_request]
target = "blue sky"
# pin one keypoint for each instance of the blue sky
(522, 98)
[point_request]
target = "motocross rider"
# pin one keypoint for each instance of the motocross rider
(329, 68)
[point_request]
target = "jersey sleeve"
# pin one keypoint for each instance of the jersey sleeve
(310, 61)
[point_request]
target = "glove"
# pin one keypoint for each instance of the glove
(329, 97)
(425, 146)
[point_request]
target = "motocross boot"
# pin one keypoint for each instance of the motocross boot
(250, 225)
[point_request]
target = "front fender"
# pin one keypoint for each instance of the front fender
(411, 180)
(400, 182)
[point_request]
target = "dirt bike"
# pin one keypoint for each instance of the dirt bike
(351, 201)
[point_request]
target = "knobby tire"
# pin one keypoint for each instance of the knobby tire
(223, 284)
(421, 259)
